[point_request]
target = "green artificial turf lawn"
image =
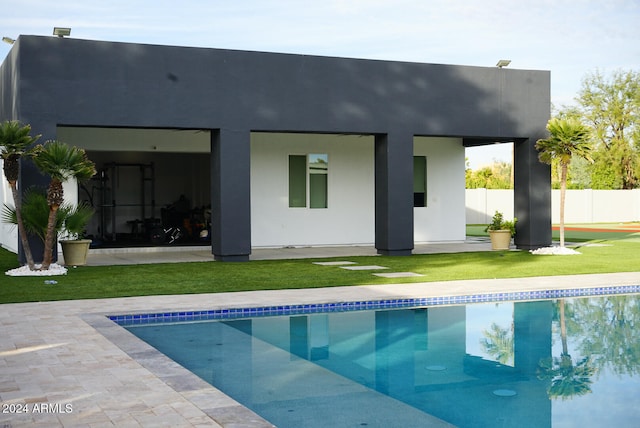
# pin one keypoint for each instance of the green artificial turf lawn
(91, 282)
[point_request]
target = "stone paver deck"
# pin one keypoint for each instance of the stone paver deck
(70, 366)
(73, 367)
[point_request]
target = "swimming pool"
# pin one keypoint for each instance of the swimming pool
(398, 363)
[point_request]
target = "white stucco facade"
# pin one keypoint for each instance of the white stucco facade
(349, 218)
(350, 214)
(443, 219)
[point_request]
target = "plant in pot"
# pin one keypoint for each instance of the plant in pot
(60, 162)
(75, 249)
(501, 231)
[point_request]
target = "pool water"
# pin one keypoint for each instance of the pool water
(551, 363)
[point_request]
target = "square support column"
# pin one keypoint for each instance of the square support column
(230, 195)
(532, 197)
(394, 194)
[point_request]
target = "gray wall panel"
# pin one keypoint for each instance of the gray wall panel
(65, 81)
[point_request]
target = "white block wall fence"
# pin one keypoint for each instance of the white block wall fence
(582, 206)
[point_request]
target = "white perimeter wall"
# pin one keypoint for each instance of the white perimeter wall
(350, 217)
(482, 204)
(581, 206)
(443, 219)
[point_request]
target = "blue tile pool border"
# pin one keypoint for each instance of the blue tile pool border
(313, 308)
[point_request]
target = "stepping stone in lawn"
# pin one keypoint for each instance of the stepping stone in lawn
(372, 267)
(398, 274)
(338, 263)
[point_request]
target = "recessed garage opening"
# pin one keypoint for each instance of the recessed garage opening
(153, 186)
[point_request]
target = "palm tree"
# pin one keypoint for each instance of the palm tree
(70, 219)
(15, 141)
(498, 343)
(61, 162)
(567, 379)
(568, 137)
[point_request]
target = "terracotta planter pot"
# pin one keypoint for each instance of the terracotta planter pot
(500, 239)
(75, 252)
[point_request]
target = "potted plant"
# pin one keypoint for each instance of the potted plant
(60, 162)
(75, 249)
(501, 231)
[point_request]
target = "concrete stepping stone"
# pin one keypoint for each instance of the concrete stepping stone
(371, 267)
(337, 263)
(398, 274)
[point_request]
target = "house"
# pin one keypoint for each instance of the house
(284, 149)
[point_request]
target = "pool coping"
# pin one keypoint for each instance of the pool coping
(71, 352)
(134, 319)
(221, 408)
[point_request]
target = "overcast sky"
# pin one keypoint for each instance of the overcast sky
(568, 37)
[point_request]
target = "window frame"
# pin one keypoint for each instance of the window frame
(315, 181)
(297, 177)
(420, 183)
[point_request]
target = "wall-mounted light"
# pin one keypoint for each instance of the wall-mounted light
(8, 40)
(503, 63)
(61, 31)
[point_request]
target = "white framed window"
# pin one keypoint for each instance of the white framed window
(308, 180)
(419, 181)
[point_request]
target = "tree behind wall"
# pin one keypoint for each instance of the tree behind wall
(495, 176)
(611, 107)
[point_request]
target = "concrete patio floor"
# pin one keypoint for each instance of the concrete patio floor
(177, 254)
(78, 369)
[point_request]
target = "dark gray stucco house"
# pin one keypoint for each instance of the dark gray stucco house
(286, 149)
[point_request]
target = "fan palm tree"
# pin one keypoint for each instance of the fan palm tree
(61, 162)
(568, 137)
(15, 141)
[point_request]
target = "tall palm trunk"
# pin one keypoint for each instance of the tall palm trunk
(22, 231)
(50, 238)
(563, 328)
(563, 192)
(55, 197)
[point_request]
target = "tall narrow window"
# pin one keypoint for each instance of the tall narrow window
(419, 181)
(318, 174)
(316, 167)
(297, 181)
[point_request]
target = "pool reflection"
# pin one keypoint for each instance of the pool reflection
(544, 363)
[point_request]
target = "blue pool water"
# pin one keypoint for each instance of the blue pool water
(549, 363)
